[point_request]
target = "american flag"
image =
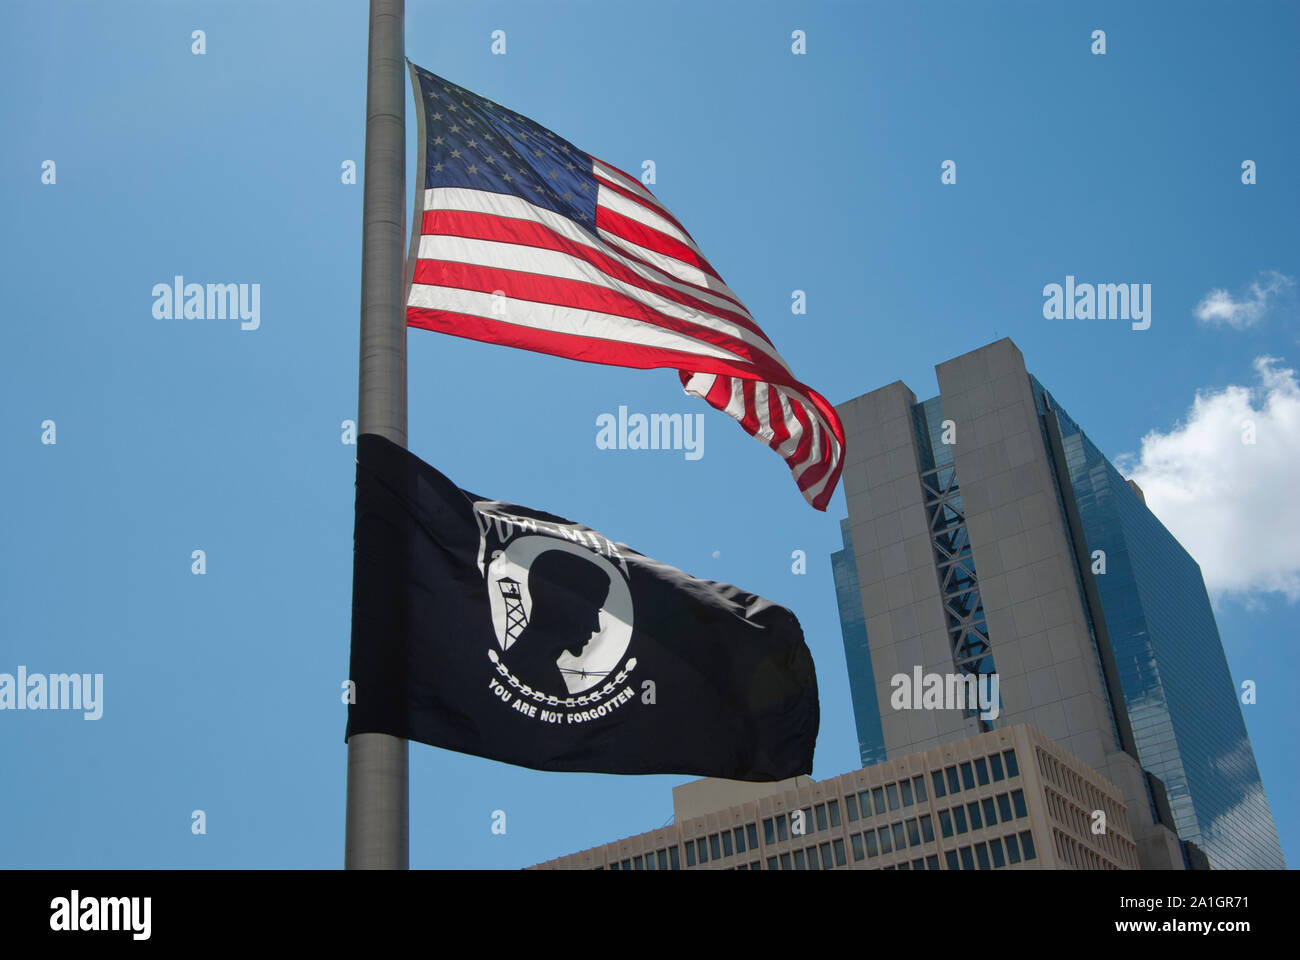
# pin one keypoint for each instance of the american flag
(522, 239)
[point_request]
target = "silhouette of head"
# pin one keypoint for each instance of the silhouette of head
(567, 592)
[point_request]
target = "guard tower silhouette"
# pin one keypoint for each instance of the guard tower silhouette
(516, 619)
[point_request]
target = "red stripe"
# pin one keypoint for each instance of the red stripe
(529, 233)
(776, 417)
(637, 198)
(637, 232)
(556, 291)
(750, 419)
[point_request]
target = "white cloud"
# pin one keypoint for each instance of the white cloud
(1220, 308)
(1233, 505)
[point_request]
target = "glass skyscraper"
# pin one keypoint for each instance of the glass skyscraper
(988, 534)
(1181, 700)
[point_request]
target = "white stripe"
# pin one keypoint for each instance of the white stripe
(669, 265)
(571, 320)
(615, 201)
(792, 426)
(605, 172)
(517, 208)
(736, 405)
(764, 431)
(553, 263)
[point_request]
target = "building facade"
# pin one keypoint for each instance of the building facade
(990, 537)
(1008, 799)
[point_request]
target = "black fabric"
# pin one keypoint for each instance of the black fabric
(713, 681)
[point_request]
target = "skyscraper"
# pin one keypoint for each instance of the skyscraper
(991, 538)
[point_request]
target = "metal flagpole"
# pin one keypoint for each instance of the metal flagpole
(378, 800)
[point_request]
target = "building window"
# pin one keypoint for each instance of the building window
(636, 864)
(826, 855)
(785, 861)
(627, 864)
(937, 779)
(901, 866)
(713, 847)
(967, 861)
(650, 860)
(780, 827)
(813, 863)
(878, 796)
(918, 784)
(755, 865)
(918, 864)
(751, 831)
(927, 828)
(851, 807)
(1018, 801)
(982, 772)
(913, 833)
(945, 823)
(726, 843)
(932, 862)
(905, 788)
(833, 808)
(973, 808)
(967, 776)
(662, 855)
(959, 818)
(821, 816)
(614, 865)
(771, 863)
(856, 842)
(900, 836)
(799, 862)
(740, 839)
(870, 837)
(885, 845)
(1004, 806)
(951, 857)
(1013, 849)
(982, 855)
(891, 792)
(840, 858)
(995, 763)
(769, 834)
(1013, 768)
(674, 859)
(954, 785)
(995, 848)
(1027, 843)
(864, 801)
(990, 812)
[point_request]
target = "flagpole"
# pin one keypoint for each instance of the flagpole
(378, 793)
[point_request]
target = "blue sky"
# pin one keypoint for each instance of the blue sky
(818, 172)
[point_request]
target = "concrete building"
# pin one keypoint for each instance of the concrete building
(1007, 799)
(987, 536)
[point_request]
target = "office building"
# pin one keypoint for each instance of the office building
(1008, 799)
(989, 537)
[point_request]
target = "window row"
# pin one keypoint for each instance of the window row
(979, 814)
(1078, 856)
(998, 852)
(981, 771)
(877, 801)
(824, 856)
(896, 836)
(723, 844)
(667, 859)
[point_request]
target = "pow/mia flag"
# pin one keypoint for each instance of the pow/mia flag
(509, 633)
